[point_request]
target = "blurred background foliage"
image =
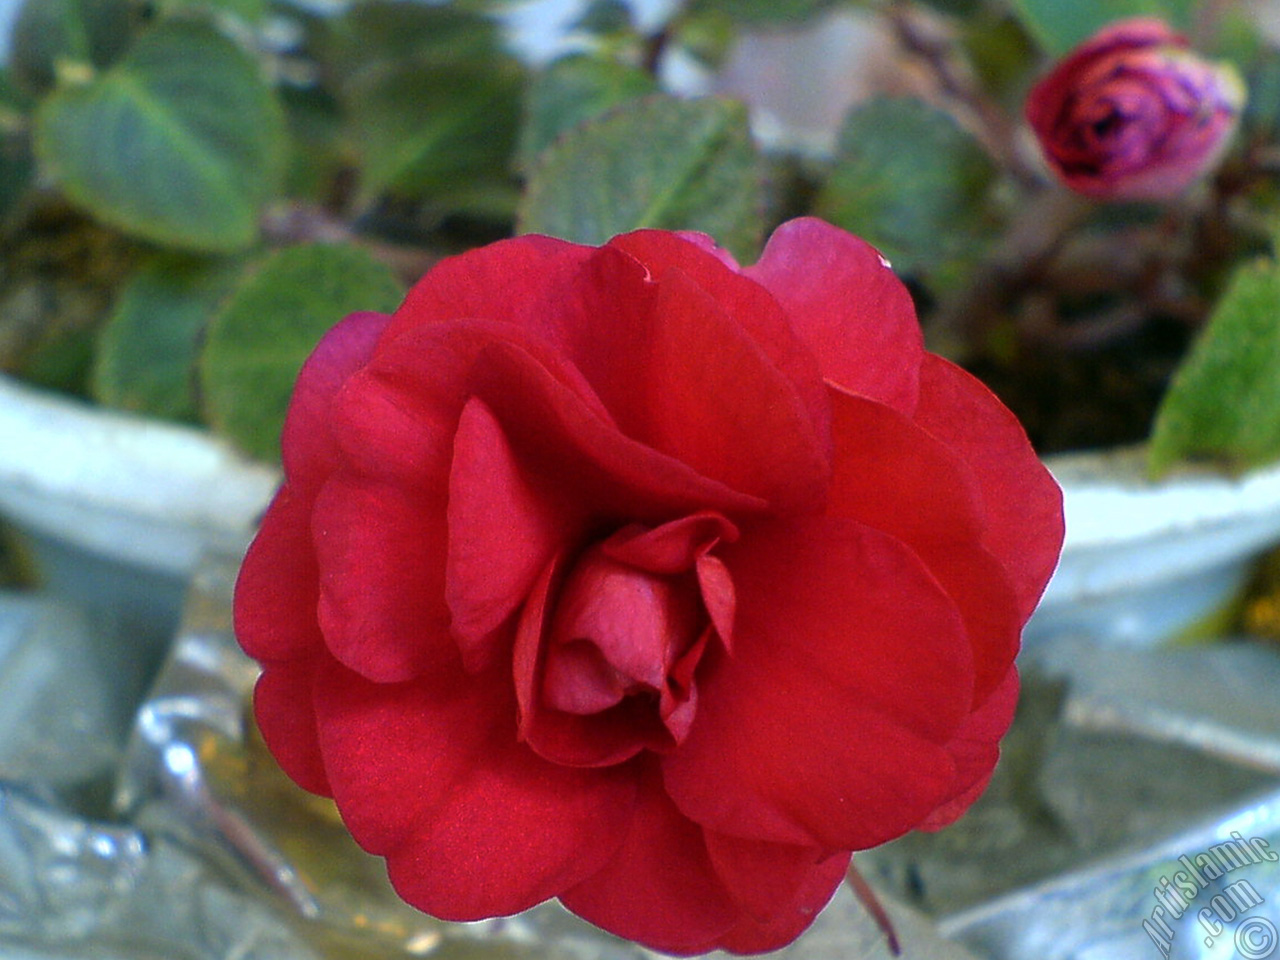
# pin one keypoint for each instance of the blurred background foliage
(192, 191)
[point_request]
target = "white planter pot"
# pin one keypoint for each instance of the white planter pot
(101, 490)
(118, 509)
(1144, 561)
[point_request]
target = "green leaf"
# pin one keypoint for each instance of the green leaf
(272, 321)
(605, 17)
(146, 351)
(763, 11)
(432, 101)
(570, 91)
(316, 152)
(957, 8)
(658, 162)
(180, 143)
(248, 11)
(1060, 25)
(47, 33)
(379, 34)
(17, 166)
(1224, 401)
(432, 132)
(913, 183)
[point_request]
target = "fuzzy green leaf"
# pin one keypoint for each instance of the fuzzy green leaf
(914, 184)
(429, 132)
(249, 11)
(655, 162)
(757, 12)
(1224, 402)
(270, 323)
(181, 142)
(47, 33)
(146, 354)
(570, 91)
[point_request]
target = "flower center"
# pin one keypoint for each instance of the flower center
(619, 643)
(619, 632)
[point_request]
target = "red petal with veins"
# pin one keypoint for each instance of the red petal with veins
(382, 556)
(846, 304)
(502, 533)
(892, 475)
(976, 748)
(1021, 501)
(851, 670)
(660, 887)
(282, 708)
(472, 823)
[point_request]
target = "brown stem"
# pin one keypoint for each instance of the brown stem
(1035, 234)
(867, 897)
(652, 51)
(921, 37)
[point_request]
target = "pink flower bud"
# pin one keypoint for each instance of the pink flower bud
(1133, 114)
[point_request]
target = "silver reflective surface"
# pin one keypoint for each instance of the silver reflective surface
(159, 826)
(202, 848)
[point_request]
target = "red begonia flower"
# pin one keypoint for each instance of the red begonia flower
(1133, 114)
(630, 577)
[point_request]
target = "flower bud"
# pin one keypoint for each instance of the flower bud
(1133, 114)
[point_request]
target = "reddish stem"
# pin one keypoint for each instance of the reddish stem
(867, 897)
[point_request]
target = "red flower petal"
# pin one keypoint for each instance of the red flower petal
(277, 589)
(502, 534)
(561, 736)
(846, 304)
(473, 824)
(307, 445)
(816, 890)
(746, 301)
(1022, 502)
(553, 430)
(679, 373)
(674, 547)
(282, 708)
(713, 400)
(1047, 99)
(850, 669)
(896, 477)
(763, 878)
(381, 554)
(660, 888)
(976, 748)
(519, 281)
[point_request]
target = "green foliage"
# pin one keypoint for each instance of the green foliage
(912, 182)
(379, 34)
(17, 165)
(570, 91)
(316, 156)
(270, 323)
(657, 162)
(145, 360)
(755, 12)
(956, 8)
(432, 102)
(50, 33)
(249, 11)
(1224, 402)
(1059, 25)
(604, 17)
(179, 143)
(435, 132)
